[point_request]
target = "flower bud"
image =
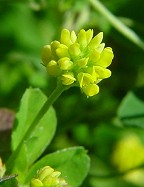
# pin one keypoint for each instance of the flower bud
(89, 35)
(82, 39)
(54, 45)
(73, 37)
(100, 47)
(46, 54)
(90, 89)
(36, 183)
(47, 177)
(52, 68)
(105, 58)
(65, 37)
(56, 174)
(45, 171)
(85, 79)
(103, 73)
(62, 51)
(74, 50)
(51, 181)
(65, 63)
(95, 42)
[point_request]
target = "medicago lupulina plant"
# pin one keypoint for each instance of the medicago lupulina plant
(76, 60)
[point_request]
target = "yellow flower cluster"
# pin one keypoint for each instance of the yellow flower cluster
(47, 177)
(129, 153)
(78, 60)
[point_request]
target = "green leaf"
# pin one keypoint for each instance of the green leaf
(73, 163)
(131, 110)
(41, 135)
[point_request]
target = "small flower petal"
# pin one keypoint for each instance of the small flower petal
(100, 47)
(74, 50)
(46, 54)
(54, 46)
(44, 172)
(36, 183)
(65, 37)
(102, 72)
(93, 73)
(94, 56)
(62, 51)
(82, 62)
(90, 89)
(106, 58)
(85, 79)
(50, 181)
(65, 63)
(68, 78)
(73, 37)
(89, 35)
(52, 68)
(56, 174)
(95, 42)
(82, 39)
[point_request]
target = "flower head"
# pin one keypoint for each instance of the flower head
(47, 177)
(78, 60)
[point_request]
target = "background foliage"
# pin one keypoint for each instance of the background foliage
(100, 122)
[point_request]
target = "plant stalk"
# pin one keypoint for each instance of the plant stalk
(117, 24)
(52, 98)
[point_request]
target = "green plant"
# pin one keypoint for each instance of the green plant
(76, 61)
(109, 126)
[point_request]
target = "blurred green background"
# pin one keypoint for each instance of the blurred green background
(25, 26)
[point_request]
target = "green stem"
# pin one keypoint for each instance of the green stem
(55, 94)
(117, 24)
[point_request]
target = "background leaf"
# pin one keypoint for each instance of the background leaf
(42, 134)
(117, 24)
(131, 110)
(72, 162)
